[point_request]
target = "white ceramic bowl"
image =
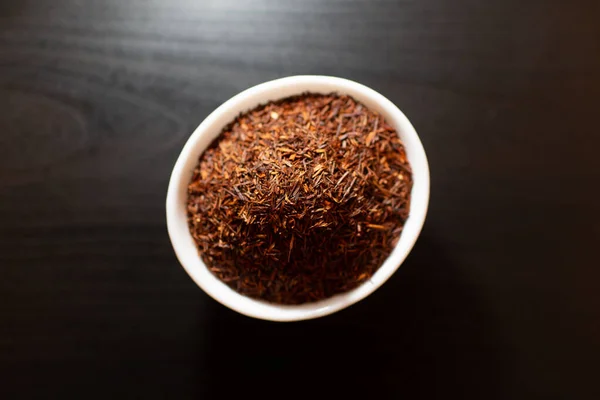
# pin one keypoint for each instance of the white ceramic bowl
(209, 129)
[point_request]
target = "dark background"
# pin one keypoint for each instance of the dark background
(499, 299)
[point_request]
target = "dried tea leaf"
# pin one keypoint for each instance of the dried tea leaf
(300, 199)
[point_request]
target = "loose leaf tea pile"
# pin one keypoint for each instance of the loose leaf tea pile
(300, 199)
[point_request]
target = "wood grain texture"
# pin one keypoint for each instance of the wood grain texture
(499, 298)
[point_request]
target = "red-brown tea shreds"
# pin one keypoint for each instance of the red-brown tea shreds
(300, 199)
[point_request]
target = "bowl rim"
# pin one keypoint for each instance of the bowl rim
(176, 213)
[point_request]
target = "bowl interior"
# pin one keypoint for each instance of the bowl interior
(210, 128)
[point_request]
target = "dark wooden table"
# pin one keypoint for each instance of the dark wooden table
(499, 299)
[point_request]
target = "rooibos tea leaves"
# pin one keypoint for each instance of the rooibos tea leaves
(300, 199)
